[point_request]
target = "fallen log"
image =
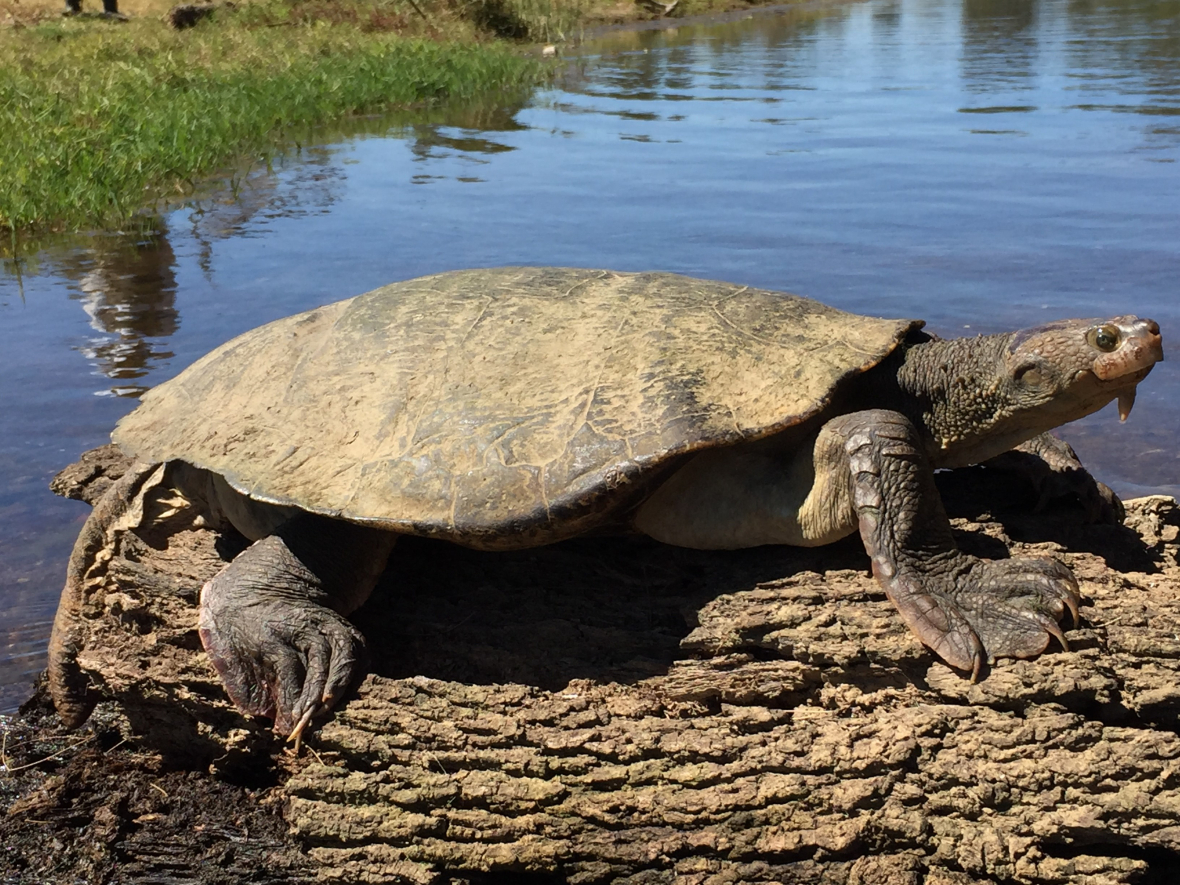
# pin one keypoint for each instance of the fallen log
(612, 710)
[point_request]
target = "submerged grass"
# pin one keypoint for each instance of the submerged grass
(97, 120)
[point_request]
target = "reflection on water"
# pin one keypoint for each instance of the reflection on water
(469, 134)
(1000, 45)
(984, 164)
(128, 290)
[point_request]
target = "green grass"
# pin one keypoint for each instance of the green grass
(99, 120)
(541, 21)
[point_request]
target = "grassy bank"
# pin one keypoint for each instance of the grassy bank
(97, 118)
(100, 119)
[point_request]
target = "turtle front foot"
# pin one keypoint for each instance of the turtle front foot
(1052, 468)
(968, 610)
(280, 650)
(971, 610)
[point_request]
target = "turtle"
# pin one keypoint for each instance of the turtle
(512, 407)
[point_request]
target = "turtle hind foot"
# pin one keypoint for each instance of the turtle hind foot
(283, 658)
(979, 610)
(281, 651)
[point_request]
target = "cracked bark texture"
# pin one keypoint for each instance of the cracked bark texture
(613, 710)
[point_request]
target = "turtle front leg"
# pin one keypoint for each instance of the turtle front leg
(273, 620)
(1052, 467)
(968, 610)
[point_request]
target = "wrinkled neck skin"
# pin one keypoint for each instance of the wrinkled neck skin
(961, 393)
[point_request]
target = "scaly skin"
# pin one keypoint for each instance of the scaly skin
(966, 609)
(966, 401)
(274, 620)
(976, 398)
(949, 403)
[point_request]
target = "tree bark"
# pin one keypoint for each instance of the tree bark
(612, 710)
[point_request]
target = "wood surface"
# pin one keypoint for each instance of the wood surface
(613, 710)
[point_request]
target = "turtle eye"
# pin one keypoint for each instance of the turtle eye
(1105, 338)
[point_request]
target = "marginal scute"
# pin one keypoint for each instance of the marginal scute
(516, 401)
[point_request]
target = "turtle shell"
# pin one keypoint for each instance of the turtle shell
(501, 407)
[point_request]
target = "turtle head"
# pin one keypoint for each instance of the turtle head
(979, 397)
(1066, 370)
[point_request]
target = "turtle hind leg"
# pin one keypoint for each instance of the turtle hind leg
(273, 620)
(968, 610)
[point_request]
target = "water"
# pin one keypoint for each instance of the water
(983, 165)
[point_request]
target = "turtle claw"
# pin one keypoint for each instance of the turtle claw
(1055, 631)
(1072, 601)
(1019, 603)
(296, 735)
(982, 610)
(280, 655)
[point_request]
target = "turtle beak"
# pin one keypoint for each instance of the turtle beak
(1140, 347)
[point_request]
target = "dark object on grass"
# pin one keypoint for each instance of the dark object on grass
(661, 9)
(186, 15)
(503, 409)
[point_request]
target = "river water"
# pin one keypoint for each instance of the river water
(983, 164)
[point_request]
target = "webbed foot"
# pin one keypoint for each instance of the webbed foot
(273, 620)
(279, 655)
(970, 611)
